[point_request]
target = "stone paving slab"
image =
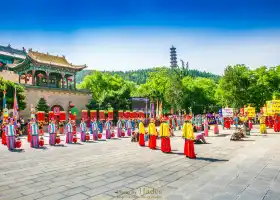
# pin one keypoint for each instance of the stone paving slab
(119, 169)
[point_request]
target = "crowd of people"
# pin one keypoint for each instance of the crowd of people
(194, 130)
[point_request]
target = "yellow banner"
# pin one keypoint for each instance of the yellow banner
(251, 111)
(269, 108)
(275, 106)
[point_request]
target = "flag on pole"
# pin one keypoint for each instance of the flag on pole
(15, 109)
(4, 99)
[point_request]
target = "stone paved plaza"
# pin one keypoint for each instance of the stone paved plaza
(119, 169)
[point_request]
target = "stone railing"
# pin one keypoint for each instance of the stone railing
(53, 88)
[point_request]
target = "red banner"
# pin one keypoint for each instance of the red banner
(93, 114)
(101, 115)
(141, 114)
(41, 116)
(110, 114)
(62, 116)
(131, 115)
(126, 114)
(120, 113)
(51, 115)
(72, 116)
(136, 114)
(85, 114)
(56, 110)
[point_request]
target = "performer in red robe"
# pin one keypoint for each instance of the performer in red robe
(153, 135)
(189, 137)
(276, 124)
(141, 133)
(271, 122)
(29, 131)
(165, 137)
(4, 140)
(227, 123)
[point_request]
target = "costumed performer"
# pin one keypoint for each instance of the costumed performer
(69, 132)
(94, 129)
(28, 131)
(4, 125)
(119, 127)
(165, 137)
(153, 134)
(216, 127)
(83, 130)
(262, 125)
(108, 128)
(141, 133)
(34, 143)
(189, 137)
(128, 126)
(250, 124)
(10, 135)
(206, 127)
(52, 132)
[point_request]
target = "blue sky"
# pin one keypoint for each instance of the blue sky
(131, 34)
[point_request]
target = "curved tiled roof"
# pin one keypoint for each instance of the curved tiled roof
(52, 60)
(9, 51)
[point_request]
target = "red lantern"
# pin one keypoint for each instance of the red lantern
(123, 134)
(75, 138)
(18, 143)
(99, 136)
(87, 137)
(57, 140)
(113, 134)
(40, 75)
(41, 142)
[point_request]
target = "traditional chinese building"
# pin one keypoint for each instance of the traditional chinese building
(44, 75)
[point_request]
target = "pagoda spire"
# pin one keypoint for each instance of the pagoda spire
(173, 57)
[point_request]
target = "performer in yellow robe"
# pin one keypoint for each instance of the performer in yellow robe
(141, 133)
(262, 125)
(165, 137)
(189, 137)
(153, 135)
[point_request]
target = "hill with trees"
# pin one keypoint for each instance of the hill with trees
(140, 76)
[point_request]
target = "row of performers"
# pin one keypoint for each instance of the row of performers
(164, 133)
(237, 120)
(174, 123)
(36, 139)
(273, 122)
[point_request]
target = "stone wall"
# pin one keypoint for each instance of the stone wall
(9, 75)
(55, 97)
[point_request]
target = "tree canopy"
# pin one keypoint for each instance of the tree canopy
(238, 86)
(10, 92)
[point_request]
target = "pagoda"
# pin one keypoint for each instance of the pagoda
(173, 57)
(45, 70)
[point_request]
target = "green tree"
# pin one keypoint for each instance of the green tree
(42, 105)
(199, 94)
(10, 92)
(108, 91)
(233, 87)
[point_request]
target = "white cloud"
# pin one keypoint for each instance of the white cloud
(126, 49)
